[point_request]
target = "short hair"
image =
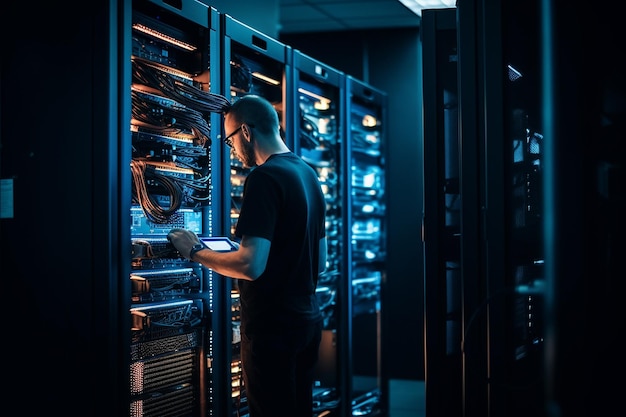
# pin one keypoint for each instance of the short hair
(256, 111)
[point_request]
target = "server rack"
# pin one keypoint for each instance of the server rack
(175, 109)
(441, 217)
(504, 365)
(489, 265)
(106, 273)
(584, 114)
(64, 202)
(517, 283)
(318, 94)
(252, 63)
(365, 203)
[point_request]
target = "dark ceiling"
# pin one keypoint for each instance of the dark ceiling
(302, 16)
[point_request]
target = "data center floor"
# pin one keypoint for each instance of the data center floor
(406, 398)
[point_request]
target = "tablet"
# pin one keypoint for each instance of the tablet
(219, 243)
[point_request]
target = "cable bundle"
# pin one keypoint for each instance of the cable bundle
(151, 208)
(240, 75)
(180, 91)
(153, 146)
(162, 115)
(167, 106)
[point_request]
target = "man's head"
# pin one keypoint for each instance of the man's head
(252, 129)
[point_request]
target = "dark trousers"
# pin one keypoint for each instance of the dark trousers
(278, 369)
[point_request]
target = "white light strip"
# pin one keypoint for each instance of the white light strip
(163, 37)
(161, 305)
(325, 101)
(416, 6)
(310, 94)
(322, 103)
(265, 78)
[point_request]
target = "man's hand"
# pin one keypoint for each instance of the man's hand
(183, 240)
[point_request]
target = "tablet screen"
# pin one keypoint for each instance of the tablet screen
(220, 244)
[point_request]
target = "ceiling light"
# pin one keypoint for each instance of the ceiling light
(416, 6)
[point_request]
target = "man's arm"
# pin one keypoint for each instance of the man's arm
(247, 262)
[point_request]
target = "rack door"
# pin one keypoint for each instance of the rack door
(367, 240)
(442, 214)
(253, 63)
(318, 95)
(483, 227)
(175, 109)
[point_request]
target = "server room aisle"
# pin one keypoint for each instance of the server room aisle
(406, 398)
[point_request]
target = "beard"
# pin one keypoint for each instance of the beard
(247, 157)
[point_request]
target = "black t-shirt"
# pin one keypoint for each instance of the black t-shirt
(283, 202)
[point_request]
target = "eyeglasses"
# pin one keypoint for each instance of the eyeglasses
(228, 140)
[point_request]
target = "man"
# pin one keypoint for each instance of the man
(281, 253)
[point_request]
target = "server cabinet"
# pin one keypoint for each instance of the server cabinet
(252, 63)
(64, 204)
(515, 250)
(485, 290)
(365, 203)
(318, 94)
(584, 113)
(175, 109)
(504, 366)
(441, 221)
